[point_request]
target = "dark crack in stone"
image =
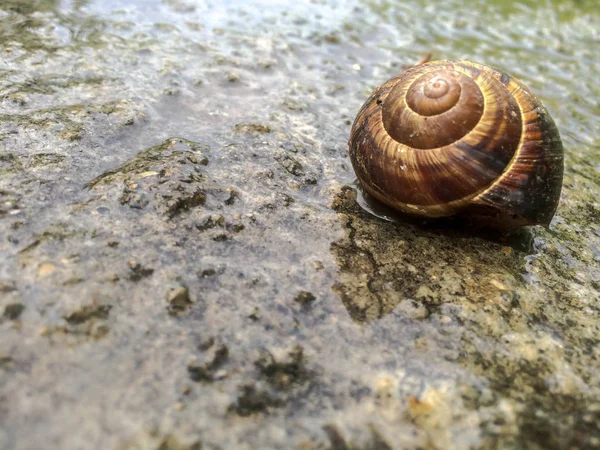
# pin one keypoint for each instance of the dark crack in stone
(284, 373)
(252, 400)
(12, 311)
(138, 271)
(252, 128)
(178, 300)
(305, 298)
(87, 313)
(213, 357)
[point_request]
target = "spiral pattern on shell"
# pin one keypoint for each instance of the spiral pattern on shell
(449, 137)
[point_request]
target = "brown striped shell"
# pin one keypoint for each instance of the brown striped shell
(456, 137)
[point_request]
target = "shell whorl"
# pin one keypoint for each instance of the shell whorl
(433, 110)
(446, 135)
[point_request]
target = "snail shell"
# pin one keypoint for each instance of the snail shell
(457, 137)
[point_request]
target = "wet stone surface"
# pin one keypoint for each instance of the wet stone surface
(185, 264)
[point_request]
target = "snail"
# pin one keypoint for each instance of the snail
(451, 137)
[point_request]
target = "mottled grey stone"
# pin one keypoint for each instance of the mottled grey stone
(153, 145)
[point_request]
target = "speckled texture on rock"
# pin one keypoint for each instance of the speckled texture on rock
(185, 265)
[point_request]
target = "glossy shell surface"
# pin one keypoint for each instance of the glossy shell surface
(451, 137)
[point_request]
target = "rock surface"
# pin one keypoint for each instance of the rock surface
(185, 265)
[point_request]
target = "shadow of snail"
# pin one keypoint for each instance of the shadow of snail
(433, 266)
